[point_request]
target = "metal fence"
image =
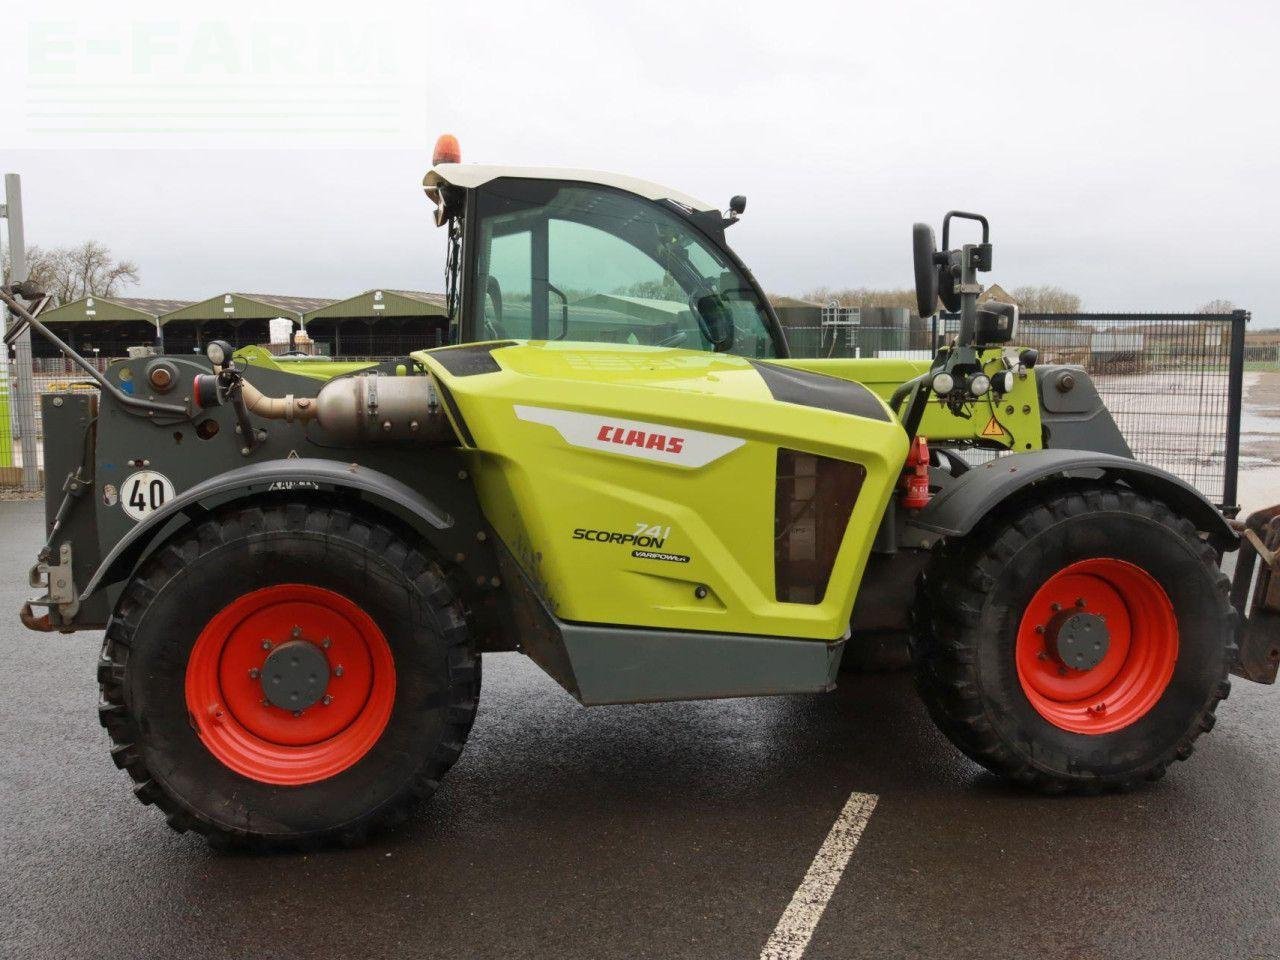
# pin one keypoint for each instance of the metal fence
(1263, 354)
(1173, 382)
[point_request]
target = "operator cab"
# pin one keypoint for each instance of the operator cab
(576, 255)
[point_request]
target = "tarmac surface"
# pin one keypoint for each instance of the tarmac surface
(668, 831)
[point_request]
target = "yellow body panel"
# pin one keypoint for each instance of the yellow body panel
(542, 472)
(1011, 421)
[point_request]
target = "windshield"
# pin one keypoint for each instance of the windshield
(567, 261)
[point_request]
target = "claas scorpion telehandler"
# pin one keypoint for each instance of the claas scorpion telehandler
(616, 469)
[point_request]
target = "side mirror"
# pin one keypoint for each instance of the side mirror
(715, 320)
(737, 206)
(924, 250)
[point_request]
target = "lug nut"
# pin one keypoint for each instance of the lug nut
(326, 643)
(296, 631)
(338, 670)
(326, 699)
(266, 644)
(254, 673)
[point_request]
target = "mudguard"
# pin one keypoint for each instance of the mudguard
(298, 476)
(958, 508)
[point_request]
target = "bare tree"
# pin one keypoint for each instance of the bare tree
(69, 273)
(1046, 299)
(862, 297)
(1218, 305)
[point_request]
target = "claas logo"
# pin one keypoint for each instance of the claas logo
(639, 438)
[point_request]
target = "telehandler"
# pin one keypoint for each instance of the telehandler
(616, 469)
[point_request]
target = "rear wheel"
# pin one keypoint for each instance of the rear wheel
(1077, 642)
(287, 675)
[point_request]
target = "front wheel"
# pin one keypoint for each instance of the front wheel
(1080, 641)
(286, 675)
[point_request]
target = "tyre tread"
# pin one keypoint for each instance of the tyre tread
(187, 546)
(945, 638)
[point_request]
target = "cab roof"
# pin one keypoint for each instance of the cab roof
(468, 175)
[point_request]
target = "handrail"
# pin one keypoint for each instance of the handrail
(8, 295)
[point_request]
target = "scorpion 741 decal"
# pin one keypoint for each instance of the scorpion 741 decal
(648, 537)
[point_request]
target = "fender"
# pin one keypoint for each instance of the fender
(958, 507)
(299, 476)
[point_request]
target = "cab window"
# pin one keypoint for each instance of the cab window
(561, 261)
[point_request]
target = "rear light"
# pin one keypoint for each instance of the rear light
(204, 391)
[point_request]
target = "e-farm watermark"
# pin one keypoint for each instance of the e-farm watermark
(223, 82)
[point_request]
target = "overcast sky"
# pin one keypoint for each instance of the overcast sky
(1127, 151)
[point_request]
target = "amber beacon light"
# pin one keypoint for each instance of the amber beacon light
(447, 150)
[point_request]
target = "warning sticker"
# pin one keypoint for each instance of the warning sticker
(993, 428)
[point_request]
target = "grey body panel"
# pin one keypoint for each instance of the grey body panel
(959, 506)
(1073, 415)
(629, 665)
(601, 663)
(297, 476)
(425, 487)
(70, 420)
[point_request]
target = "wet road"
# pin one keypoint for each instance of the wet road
(677, 830)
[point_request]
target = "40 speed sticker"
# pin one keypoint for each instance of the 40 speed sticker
(145, 492)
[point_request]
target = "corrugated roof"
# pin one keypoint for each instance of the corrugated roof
(381, 302)
(96, 309)
(436, 299)
(246, 306)
(290, 304)
(149, 305)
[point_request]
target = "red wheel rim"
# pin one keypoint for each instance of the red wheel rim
(1137, 666)
(228, 705)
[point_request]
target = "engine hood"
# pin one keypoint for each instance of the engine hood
(670, 372)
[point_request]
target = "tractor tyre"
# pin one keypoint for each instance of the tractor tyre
(1077, 641)
(285, 675)
(879, 653)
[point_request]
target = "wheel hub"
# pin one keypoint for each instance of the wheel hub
(290, 684)
(1096, 646)
(295, 675)
(1077, 639)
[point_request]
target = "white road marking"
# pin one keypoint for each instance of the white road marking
(792, 934)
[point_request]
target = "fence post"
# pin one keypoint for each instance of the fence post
(22, 408)
(1235, 404)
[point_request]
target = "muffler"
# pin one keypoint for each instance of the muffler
(367, 408)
